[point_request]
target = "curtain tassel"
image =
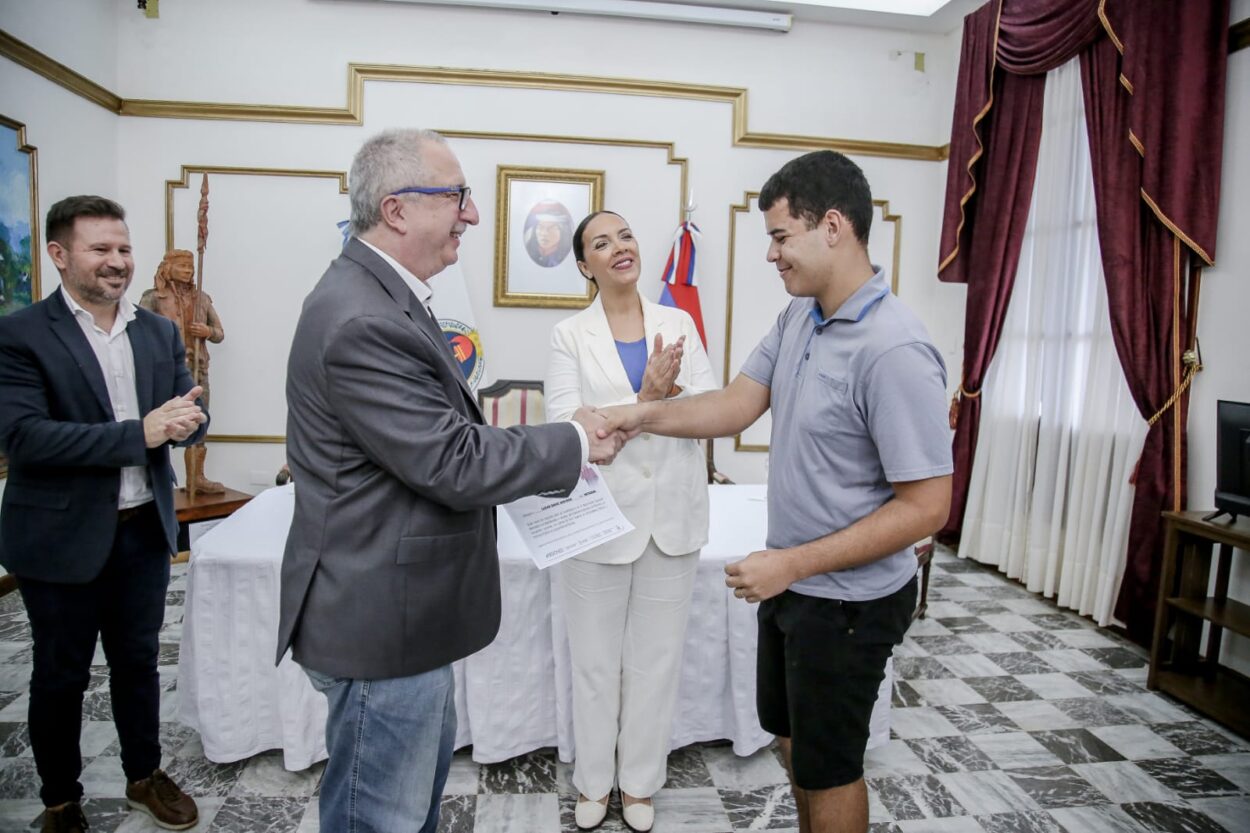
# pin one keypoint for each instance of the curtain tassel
(1193, 365)
(1192, 360)
(960, 395)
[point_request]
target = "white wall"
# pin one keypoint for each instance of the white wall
(81, 34)
(75, 141)
(271, 237)
(1222, 329)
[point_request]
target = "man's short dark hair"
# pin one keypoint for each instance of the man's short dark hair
(61, 217)
(817, 182)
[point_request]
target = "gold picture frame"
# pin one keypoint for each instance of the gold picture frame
(536, 211)
(19, 275)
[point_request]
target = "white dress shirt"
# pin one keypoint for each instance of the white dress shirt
(117, 363)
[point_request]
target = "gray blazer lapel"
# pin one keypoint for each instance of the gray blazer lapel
(434, 332)
(414, 309)
(66, 328)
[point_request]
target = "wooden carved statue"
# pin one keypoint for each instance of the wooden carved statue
(176, 297)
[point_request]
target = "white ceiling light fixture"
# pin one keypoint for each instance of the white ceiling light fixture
(643, 9)
(921, 8)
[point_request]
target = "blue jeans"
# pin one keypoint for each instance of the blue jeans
(390, 743)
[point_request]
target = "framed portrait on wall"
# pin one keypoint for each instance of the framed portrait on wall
(537, 210)
(19, 225)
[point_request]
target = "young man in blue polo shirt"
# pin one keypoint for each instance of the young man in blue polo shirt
(860, 463)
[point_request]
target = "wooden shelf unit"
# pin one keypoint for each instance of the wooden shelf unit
(1178, 666)
(1223, 692)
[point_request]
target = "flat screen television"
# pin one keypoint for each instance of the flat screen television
(1232, 464)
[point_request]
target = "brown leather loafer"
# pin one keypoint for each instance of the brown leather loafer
(161, 798)
(68, 818)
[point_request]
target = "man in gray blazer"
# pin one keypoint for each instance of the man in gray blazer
(390, 572)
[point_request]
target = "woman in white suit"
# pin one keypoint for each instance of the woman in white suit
(626, 601)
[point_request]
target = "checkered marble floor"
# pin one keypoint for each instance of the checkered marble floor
(1010, 716)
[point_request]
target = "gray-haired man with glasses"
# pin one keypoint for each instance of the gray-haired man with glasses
(390, 572)
(460, 192)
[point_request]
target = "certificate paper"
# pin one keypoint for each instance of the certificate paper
(558, 528)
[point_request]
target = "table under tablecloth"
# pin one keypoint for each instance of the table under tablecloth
(511, 698)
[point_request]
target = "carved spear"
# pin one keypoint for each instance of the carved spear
(201, 243)
(196, 344)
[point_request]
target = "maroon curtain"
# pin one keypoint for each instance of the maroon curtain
(1156, 127)
(995, 135)
(1156, 138)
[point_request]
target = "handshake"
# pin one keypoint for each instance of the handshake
(608, 429)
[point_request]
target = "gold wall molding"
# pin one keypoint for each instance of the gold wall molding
(27, 56)
(897, 220)
(669, 148)
(743, 208)
(357, 74)
(188, 170)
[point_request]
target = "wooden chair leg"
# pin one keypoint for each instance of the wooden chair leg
(924, 556)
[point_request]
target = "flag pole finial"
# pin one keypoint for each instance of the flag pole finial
(691, 205)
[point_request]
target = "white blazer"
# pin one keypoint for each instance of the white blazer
(660, 483)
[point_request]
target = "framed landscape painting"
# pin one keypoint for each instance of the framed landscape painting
(19, 221)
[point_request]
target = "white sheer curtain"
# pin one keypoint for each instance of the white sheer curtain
(1049, 499)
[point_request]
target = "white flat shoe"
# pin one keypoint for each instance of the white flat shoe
(590, 814)
(638, 817)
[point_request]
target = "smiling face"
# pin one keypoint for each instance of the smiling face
(804, 256)
(611, 252)
(431, 224)
(96, 263)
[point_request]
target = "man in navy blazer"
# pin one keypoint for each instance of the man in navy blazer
(93, 391)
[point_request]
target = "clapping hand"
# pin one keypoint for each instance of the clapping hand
(176, 420)
(663, 365)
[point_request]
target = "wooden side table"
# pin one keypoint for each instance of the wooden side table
(204, 508)
(1177, 665)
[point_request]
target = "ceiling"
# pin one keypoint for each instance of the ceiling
(915, 15)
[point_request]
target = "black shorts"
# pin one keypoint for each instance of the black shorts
(819, 666)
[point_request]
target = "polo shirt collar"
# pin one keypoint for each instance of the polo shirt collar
(854, 308)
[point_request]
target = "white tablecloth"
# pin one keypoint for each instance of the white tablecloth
(511, 698)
